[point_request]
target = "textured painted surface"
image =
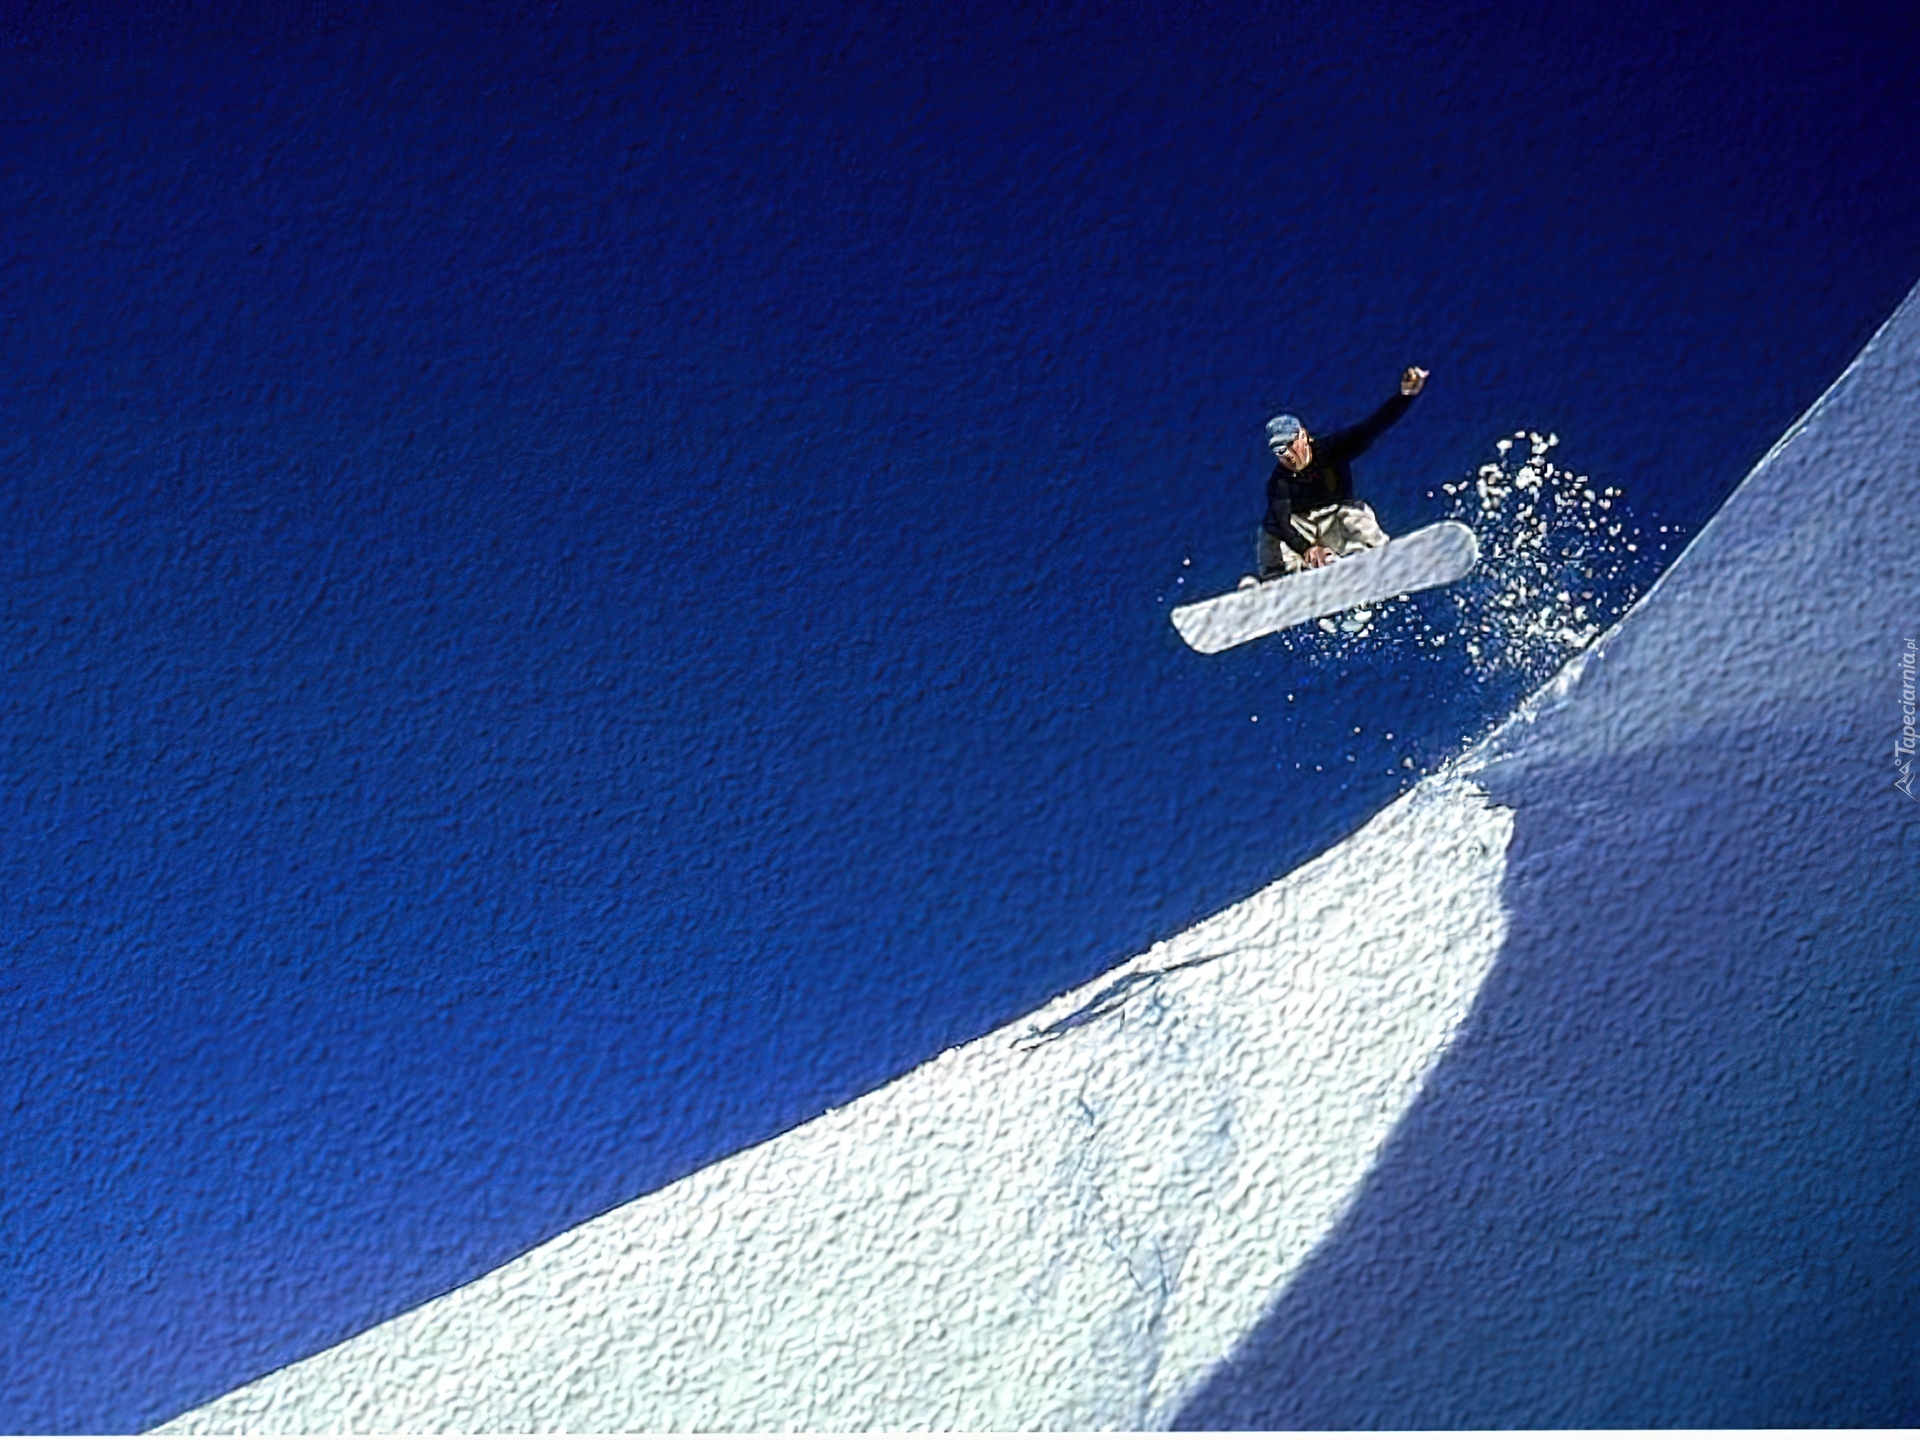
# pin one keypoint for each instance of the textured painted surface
(580, 589)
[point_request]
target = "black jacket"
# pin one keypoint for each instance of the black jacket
(1328, 478)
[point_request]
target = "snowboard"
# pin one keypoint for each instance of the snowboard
(1437, 555)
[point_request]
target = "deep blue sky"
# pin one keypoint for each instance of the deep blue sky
(579, 589)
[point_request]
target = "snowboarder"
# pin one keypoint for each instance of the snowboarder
(1312, 516)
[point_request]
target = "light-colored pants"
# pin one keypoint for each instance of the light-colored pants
(1343, 529)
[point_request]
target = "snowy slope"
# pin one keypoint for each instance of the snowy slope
(1667, 1173)
(1075, 1221)
(1061, 1224)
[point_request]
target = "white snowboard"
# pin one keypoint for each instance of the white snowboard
(1437, 555)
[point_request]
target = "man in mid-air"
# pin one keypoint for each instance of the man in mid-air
(1312, 516)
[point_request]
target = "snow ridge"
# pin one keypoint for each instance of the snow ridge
(1063, 1224)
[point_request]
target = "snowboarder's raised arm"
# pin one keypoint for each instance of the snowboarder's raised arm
(1357, 438)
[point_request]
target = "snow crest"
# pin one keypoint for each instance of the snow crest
(1064, 1224)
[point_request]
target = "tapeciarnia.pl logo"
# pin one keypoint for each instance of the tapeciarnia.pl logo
(1903, 747)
